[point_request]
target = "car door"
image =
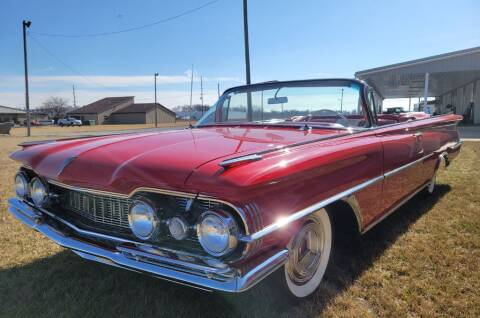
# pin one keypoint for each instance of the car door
(402, 168)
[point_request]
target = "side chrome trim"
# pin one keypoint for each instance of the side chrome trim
(408, 165)
(396, 207)
(315, 207)
(457, 145)
(175, 270)
(302, 213)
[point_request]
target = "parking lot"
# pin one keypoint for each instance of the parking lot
(470, 132)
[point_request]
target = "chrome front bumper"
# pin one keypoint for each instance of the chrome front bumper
(146, 261)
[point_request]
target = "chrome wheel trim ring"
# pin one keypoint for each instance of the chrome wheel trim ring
(306, 250)
(304, 287)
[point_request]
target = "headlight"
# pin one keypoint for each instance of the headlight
(39, 192)
(217, 233)
(143, 220)
(178, 228)
(21, 185)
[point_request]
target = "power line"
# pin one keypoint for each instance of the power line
(184, 13)
(44, 48)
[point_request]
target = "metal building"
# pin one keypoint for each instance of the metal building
(452, 78)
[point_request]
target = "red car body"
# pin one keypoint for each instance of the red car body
(293, 172)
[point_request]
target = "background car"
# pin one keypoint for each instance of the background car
(69, 121)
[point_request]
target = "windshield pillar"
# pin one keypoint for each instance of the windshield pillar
(249, 107)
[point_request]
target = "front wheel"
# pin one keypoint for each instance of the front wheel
(309, 255)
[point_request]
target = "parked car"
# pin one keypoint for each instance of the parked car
(69, 121)
(46, 122)
(260, 184)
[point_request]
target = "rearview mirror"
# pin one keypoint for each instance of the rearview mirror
(278, 100)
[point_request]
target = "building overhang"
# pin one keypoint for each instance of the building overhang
(446, 72)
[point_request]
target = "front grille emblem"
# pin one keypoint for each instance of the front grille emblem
(188, 205)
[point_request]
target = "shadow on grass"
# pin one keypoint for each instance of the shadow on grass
(65, 285)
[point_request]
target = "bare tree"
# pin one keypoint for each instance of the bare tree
(55, 107)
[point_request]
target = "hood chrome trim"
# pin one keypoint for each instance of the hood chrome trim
(239, 160)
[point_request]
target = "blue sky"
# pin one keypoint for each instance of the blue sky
(288, 40)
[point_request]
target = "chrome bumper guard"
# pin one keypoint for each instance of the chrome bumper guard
(151, 260)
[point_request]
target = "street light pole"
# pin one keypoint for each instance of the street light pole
(191, 88)
(341, 102)
(201, 92)
(26, 24)
(156, 116)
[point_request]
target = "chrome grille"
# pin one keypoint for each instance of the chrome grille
(100, 209)
(205, 204)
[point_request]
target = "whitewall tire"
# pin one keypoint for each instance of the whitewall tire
(431, 184)
(309, 255)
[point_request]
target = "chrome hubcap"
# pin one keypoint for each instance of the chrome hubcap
(305, 253)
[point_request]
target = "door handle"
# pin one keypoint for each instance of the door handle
(418, 134)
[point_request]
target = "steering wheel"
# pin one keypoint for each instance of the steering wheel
(334, 112)
(343, 120)
(329, 111)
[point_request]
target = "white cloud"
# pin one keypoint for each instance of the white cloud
(91, 88)
(169, 98)
(106, 80)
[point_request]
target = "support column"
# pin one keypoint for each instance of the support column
(425, 92)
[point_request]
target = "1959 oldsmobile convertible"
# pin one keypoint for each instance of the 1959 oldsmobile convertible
(260, 183)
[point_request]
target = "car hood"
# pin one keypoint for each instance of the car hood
(122, 163)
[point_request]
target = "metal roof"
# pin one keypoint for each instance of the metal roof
(143, 108)
(10, 110)
(446, 72)
(102, 105)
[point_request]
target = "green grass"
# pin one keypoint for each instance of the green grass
(422, 261)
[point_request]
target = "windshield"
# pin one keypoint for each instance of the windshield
(319, 103)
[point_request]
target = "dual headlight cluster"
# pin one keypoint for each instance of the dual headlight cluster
(217, 232)
(36, 189)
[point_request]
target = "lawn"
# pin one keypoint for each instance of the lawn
(422, 261)
(55, 131)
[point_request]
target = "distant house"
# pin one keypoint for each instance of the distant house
(10, 114)
(122, 110)
(143, 114)
(101, 110)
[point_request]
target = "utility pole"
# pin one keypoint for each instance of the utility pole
(201, 91)
(218, 90)
(191, 90)
(155, 85)
(247, 48)
(74, 97)
(26, 24)
(247, 59)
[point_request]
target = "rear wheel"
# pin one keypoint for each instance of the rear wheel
(309, 255)
(431, 184)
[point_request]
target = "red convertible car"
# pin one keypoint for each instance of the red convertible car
(260, 183)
